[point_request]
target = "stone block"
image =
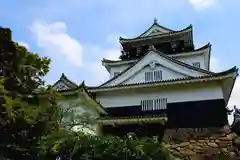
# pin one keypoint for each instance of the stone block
(212, 144)
(184, 144)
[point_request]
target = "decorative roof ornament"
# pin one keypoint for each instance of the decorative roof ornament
(62, 76)
(153, 65)
(155, 21)
(151, 47)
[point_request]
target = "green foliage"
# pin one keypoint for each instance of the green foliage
(22, 69)
(22, 121)
(84, 146)
(22, 125)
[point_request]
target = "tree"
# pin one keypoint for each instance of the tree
(23, 70)
(23, 122)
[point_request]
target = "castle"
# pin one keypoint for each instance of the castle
(160, 82)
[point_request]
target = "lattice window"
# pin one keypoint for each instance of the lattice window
(160, 104)
(148, 76)
(174, 45)
(139, 49)
(196, 64)
(153, 76)
(157, 75)
(155, 104)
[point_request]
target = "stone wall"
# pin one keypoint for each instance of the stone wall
(186, 143)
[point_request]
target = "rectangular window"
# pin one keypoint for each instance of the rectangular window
(156, 104)
(153, 76)
(139, 49)
(148, 76)
(115, 73)
(196, 64)
(157, 75)
(174, 45)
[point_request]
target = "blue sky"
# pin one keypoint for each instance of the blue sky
(77, 34)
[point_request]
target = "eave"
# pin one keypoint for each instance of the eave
(231, 73)
(199, 51)
(172, 33)
(108, 63)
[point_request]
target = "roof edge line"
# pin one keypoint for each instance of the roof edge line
(196, 79)
(109, 62)
(121, 39)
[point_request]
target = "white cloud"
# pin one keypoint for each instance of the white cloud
(24, 44)
(112, 54)
(202, 4)
(54, 40)
(99, 74)
(113, 39)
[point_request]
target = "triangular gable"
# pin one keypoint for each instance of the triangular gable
(155, 29)
(61, 86)
(160, 58)
(168, 74)
(64, 84)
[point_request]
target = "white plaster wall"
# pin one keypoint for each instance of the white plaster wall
(167, 73)
(80, 110)
(118, 68)
(194, 58)
(180, 93)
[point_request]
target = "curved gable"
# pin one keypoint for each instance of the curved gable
(154, 30)
(64, 84)
(162, 59)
